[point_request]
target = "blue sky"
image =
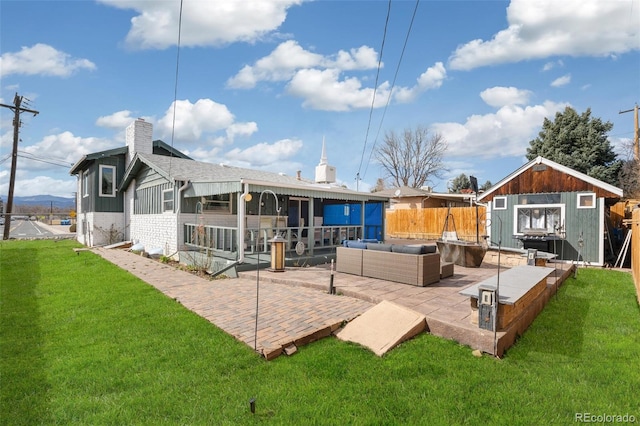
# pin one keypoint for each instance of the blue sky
(261, 83)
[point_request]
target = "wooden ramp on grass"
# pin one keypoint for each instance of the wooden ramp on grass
(383, 327)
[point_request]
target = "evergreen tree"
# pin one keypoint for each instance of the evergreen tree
(579, 142)
(459, 183)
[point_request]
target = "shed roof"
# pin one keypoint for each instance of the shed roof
(558, 185)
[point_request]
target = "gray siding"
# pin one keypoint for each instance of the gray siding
(578, 222)
(94, 202)
(148, 200)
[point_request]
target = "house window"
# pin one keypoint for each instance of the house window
(85, 183)
(167, 200)
(587, 201)
(500, 203)
(538, 218)
(220, 203)
(107, 181)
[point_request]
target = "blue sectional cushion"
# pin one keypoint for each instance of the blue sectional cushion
(379, 247)
(356, 244)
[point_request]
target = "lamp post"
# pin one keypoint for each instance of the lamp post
(255, 333)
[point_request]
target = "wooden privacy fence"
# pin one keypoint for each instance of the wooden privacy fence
(635, 250)
(428, 224)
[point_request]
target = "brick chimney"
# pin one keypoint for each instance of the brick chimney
(139, 138)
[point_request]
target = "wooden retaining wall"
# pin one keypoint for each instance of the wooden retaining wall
(428, 223)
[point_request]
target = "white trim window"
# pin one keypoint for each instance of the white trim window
(167, 200)
(499, 203)
(537, 218)
(586, 200)
(107, 178)
(85, 183)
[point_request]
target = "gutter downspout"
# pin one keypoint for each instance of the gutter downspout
(187, 183)
(241, 220)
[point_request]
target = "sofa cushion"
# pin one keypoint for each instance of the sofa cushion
(429, 249)
(398, 248)
(379, 247)
(356, 244)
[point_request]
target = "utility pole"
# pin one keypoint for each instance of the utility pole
(17, 109)
(636, 141)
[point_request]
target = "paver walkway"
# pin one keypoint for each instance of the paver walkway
(284, 316)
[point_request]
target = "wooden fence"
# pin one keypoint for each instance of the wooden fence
(428, 223)
(635, 250)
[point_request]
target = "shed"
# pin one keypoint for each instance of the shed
(550, 207)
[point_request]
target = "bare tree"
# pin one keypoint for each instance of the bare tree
(413, 158)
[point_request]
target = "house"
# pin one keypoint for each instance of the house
(546, 206)
(152, 194)
(406, 197)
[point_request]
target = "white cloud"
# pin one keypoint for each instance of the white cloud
(502, 96)
(506, 132)
(553, 64)
(432, 78)
(544, 28)
(264, 154)
(561, 81)
(289, 57)
(42, 59)
(119, 120)
(204, 23)
(40, 185)
(62, 148)
(324, 90)
(192, 119)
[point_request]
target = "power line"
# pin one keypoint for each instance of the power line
(44, 161)
(175, 87)
(393, 84)
(375, 89)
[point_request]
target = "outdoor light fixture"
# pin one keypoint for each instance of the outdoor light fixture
(277, 253)
(252, 405)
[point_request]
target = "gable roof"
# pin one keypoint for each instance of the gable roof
(211, 179)
(82, 163)
(158, 147)
(612, 191)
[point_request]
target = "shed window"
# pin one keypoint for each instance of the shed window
(167, 200)
(500, 203)
(538, 218)
(587, 201)
(107, 181)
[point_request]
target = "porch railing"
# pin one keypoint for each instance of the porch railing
(221, 238)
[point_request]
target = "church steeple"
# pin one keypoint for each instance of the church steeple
(323, 157)
(324, 172)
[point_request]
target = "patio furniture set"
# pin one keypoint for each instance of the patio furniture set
(417, 265)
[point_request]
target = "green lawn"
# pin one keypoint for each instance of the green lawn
(83, 342)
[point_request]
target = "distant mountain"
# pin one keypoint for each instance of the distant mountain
(43, 200)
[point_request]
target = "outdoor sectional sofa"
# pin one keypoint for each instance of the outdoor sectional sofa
(415, 265)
